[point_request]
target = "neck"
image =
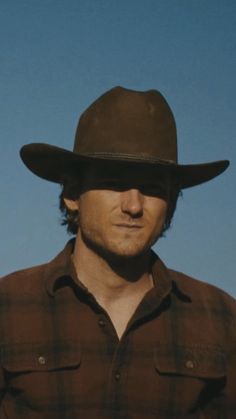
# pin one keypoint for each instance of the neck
(110, 277)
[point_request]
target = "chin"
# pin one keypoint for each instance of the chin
(133, 249)
(129, 251)
(119, 250)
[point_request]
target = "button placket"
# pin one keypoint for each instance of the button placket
(117, 376)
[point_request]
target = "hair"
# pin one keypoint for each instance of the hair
(71, 189)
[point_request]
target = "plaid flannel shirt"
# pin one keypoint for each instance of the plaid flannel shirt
(61, 358)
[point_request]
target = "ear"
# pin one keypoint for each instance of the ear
(71, 205)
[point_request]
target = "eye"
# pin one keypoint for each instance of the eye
(105, 184)
(154, 190)
(108, 184)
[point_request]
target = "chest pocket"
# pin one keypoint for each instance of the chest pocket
(197, 372)
(42, 356)
(38, 376)
(202, 361)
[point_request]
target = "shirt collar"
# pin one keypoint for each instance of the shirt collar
(164, 283)
(61, 270)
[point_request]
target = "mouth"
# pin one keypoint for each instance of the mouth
(129, 226)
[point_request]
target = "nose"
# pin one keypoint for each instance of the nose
(132, 202)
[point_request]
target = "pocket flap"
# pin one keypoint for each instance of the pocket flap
(42, 356)
(203, 361)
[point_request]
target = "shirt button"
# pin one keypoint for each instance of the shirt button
(41, 360)
(101, 323)
(189, 364)
(117, 376)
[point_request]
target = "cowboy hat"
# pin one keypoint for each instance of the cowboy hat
(125, 126)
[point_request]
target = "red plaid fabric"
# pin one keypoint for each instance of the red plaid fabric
(61, 357)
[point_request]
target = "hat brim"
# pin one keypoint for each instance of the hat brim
(55, 164)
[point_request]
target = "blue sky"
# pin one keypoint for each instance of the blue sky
(57, 56)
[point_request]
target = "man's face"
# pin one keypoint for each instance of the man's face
(120, 213)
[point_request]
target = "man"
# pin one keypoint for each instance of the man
(106, 330)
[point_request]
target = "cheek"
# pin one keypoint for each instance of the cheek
(87, 210)
(158, 217)
(158, 209)
(92, 209)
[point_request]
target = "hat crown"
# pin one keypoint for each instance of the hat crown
(124, 122)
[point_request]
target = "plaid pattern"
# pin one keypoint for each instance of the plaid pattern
(61, 358)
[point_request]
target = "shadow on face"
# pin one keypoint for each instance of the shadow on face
(121, 177)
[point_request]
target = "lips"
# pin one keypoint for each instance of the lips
(135, 226)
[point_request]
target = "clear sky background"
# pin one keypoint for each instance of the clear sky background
(57, 56)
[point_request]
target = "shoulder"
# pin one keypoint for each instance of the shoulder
(31, 279)
(205, 295)
(203, 313)
(201, 287)
(24, 279)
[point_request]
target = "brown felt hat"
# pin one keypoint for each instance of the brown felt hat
(121, 126)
